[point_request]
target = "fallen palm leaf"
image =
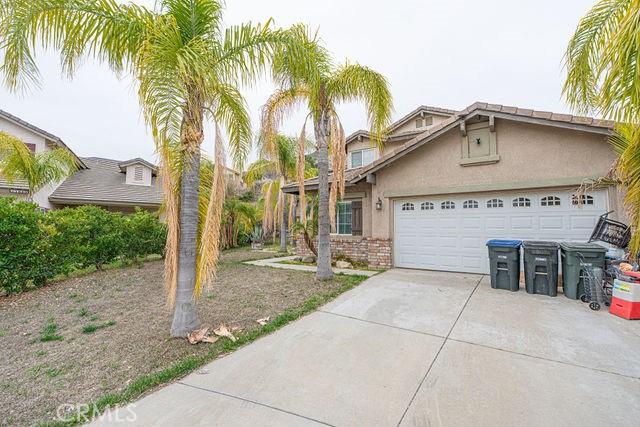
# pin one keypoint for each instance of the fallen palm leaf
(263, 321)
(223, 331)
(201, 335)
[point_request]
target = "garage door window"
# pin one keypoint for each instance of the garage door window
(407, 206)
(521, 202)
(582, 200)
(343, 220)
(470, 204)
(426, 206)
(447, 205)
(550, 201)
(495, 203)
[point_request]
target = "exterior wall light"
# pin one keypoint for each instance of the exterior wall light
(379, 204)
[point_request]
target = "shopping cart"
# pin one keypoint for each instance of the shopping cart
(597, 288)
(611, 231)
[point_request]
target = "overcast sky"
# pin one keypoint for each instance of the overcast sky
(434, 52)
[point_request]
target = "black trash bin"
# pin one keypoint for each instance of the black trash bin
(575, 258)
(504, 261)
(540, 267)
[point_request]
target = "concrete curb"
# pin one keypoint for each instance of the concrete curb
(276, 263)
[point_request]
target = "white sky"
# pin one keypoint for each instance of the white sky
(434, 52)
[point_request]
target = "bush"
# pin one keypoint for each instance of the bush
(23, 246)
(35, 247)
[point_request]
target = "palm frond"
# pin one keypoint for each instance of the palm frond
(278, 107)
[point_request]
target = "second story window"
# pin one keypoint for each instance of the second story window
(360, 158)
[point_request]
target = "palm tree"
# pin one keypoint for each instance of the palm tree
(602, 77)
(239, 217)
(322, 86)
(18, 163)
(188, 68)
(277, 162)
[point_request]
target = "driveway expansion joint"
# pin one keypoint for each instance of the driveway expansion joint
(255, 403)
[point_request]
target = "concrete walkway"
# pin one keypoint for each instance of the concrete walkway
(416, 348)
(277, 263)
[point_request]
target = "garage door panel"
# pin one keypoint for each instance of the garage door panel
(454, 239)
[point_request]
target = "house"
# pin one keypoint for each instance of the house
(38, 140)
(447, 181)
(115, 185)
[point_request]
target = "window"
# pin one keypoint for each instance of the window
(583, 200)
(495, 203)
(550, 201)
(447, 205)
(470, 204)
(407, 206)
(137, 173)
(361, 157)
(31, 147)
(343, 218)
(521, 202)
(426, 206)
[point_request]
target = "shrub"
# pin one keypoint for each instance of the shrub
(24, 251)
(35, 246)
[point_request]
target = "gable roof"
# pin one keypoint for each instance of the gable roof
(43, 133)
(137, 161)
(104, 183)
(547, 118)
(438, 111)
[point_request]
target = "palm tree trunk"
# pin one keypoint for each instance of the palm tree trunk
(283, 229)
(321, 130)
(185, 317)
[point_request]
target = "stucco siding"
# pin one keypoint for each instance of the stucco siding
(528, 153)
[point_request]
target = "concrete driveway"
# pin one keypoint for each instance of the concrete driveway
(421, 348)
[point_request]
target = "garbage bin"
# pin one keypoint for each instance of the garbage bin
(540, 267)
(575, 257)
(504, 261)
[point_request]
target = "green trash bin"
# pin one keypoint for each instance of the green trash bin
(540, 267)
(504, 263)
(575, 257)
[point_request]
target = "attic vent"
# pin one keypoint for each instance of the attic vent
(137, 173)
(419, 123)
(424, 121)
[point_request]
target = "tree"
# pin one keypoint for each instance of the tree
(239, 217)
(277, 163)
(602, 77)
(188, 68)
(18, 163)
(322, 86)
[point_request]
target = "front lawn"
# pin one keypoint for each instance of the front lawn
(104, 337)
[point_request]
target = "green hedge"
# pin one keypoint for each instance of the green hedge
(36, 246)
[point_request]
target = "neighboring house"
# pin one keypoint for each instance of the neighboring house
(37, 140)
(116, 185)
(447, 181)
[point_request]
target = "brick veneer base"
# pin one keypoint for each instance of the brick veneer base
(375, 252)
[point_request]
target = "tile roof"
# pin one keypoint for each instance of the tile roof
(104, 183)
(482, 108)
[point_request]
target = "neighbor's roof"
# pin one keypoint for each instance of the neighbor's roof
(104, 183)
(586, 124)
(137, 161)
(43, 133)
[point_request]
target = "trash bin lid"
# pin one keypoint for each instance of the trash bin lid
(504, 243)
(539, 244)
(582, 247)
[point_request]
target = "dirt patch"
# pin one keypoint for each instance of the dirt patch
(76, 340)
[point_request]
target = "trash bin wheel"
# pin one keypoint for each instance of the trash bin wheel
(584, 298)
(594, 306)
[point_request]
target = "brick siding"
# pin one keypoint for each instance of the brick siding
(375, 252)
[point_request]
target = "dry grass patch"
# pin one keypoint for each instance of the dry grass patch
(94, 337)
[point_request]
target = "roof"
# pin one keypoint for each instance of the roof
(104, 183)
(137, 161)
(438, 111)
(586, 124)
(43, 133)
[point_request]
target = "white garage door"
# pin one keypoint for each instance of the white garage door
(449, 233)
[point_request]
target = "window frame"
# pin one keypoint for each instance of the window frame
(450, 205)
(550, 201)
(361, 151)
(470, 204)
(430, 207)
(405, 207)
(338, 223)
(583, 200)
(521, 202)
(495, 203)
